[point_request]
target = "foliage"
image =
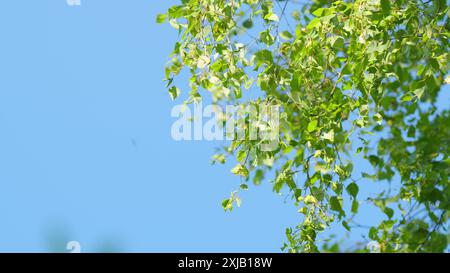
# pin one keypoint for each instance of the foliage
(356, 80)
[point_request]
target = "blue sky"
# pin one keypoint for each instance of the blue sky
(85, 146)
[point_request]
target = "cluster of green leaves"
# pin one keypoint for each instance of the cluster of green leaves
(351, 77)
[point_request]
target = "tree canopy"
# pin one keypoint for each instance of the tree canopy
(355, 80)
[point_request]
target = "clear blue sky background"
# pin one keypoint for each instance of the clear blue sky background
(85, 146)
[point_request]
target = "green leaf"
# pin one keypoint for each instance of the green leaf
(346, 226)
(407, 97)
(227, 204)
(386, 6)
(174, 92)
(241, 155)
(267, 38)
(161, 18)
(373, 233)
(336, 203)
(389, 212)
(355, 206)
(337, 42)
(248, 23)
(353, 189)
(271, 17)
(218, 158)
(259, 176)
(314, 23)
(378, 118)
(419, 92)
(309, 200)
(286, 35)
(312, 126)
(318, 12)
(240, 170)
